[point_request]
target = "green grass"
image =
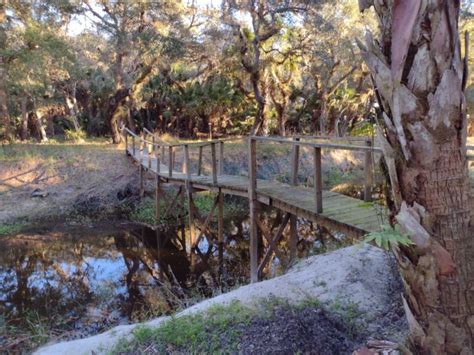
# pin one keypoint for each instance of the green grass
(216, 331)
(9, 229)
(197, 333)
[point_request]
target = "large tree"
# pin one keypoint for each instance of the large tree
(420, 78)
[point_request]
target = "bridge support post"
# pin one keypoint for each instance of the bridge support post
(220, 231)
(189, 193)
(157, 196)
(141, 171)
(295, 156)
(253, 209)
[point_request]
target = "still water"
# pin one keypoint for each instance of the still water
(69, 282)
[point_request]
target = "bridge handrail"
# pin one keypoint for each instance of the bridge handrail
(317, 145)
(354, 139)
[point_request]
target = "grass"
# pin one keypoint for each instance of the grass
(8, 229)
(145, 211)
(217, 331)
(196, 333)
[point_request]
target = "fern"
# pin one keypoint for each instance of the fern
(388, 237)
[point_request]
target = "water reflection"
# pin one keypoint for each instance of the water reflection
(78, 282)
(65, 283)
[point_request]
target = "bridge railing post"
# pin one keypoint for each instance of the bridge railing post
(368, 172)
(295, 156)
(170, 161)
(214, 163)
(221, 158)
(253, 207)
(318, 180)
(133, 146)
(185, 161)
(200, 161)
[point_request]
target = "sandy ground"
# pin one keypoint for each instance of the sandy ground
(68, 174)
(363, 276)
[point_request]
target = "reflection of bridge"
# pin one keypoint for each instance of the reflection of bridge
(330, 209)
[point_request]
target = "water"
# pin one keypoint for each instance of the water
(69, 282)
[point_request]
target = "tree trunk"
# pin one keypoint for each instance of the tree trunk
(39, 125)
(423, 138)
(4, 116)
(259, 117)
(24, 118)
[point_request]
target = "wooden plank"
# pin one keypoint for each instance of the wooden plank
(318, 145)
(273, 243)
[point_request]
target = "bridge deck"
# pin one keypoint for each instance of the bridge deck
(341, 212)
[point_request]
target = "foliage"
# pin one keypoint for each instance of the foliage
(125, 65)
(77, 136)
(388, 238)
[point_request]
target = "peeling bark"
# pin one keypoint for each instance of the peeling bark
(423, 141)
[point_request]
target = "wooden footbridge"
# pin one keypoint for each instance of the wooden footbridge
(332, 210)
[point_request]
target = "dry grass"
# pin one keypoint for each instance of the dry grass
(63, 170)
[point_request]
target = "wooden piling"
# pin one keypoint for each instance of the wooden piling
(368, 173)
(157, 193)
(318, 180)
(295, 156)
(189, 193)
(253, 209)
(220, 231)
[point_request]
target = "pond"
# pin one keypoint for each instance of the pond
(69, 282)
(62, 282)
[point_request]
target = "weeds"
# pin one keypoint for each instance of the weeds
(9, 229)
